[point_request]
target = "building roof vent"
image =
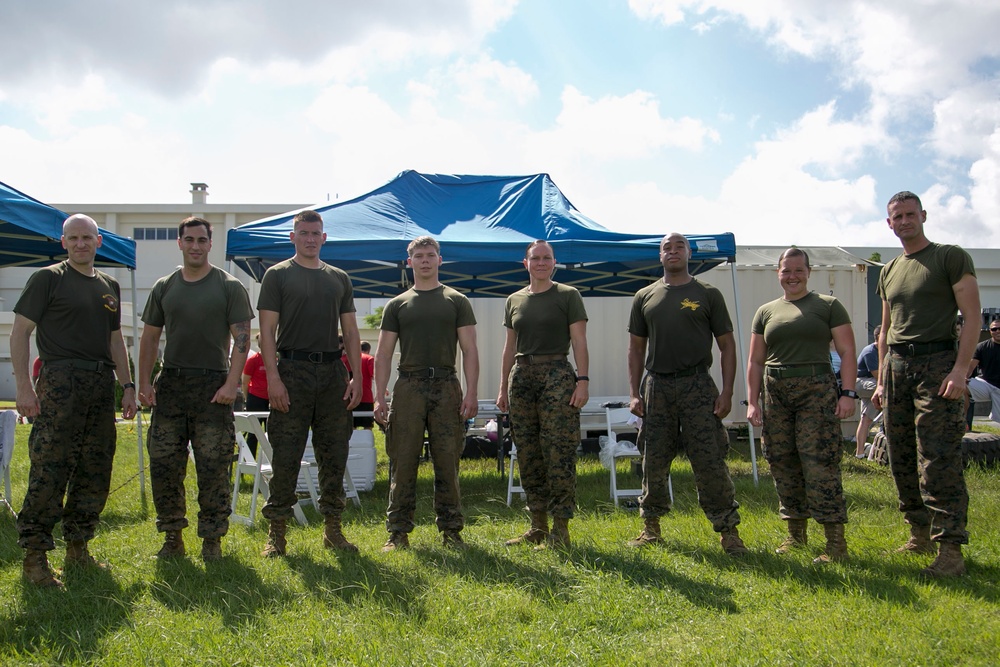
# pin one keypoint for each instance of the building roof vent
(199, 193)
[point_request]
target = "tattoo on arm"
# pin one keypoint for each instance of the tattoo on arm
(242, 337)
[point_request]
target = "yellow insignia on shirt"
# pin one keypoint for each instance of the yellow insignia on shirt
(688, 303)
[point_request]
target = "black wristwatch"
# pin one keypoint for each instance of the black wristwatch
(128, 385)
(582, 378)
(849, 393)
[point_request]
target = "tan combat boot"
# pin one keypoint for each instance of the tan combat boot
(397, 541)
(211, 549)
(536, 534)
(558, 537)
(77, 555)
(650, 533)
(276, 543)
(173, 545)
(919, 542)
(836, 544)
(798, 536)
(732, 544)
(36, 570)
(949, 562)
(333, 536)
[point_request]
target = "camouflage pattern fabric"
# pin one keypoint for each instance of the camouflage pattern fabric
(925, 435)
(434, 405)
(803, 445)
(71, 449)
(679, 418)
(547, 433)
(184, 412)
(316, 400)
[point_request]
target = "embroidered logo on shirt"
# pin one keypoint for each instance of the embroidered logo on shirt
(110, 302)
(688, 303)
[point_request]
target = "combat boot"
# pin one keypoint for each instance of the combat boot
(36, 570)
(919, 542)
(276, 543)
(453, 539)
(836, 544)
(558, 538)
(650, 533)
(397, 541)
(173, 545)
(536, 534)
(211, 549)
(949, 562)
(77, 555)
(732, 544)
(798, 536)
(333, 536)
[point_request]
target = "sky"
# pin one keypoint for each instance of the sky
(781, 121)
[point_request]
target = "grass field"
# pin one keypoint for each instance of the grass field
(600, 603)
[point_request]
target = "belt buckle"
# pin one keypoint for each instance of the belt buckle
(316, 357)
(431, 372)
(911, 350)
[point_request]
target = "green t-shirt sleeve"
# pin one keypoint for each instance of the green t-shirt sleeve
(719, 317)
(636, 322)
(269, 297)
(838, 314)
(35, 296)
(238, 302)
(576, 311)
(466, 316)
(152, 314)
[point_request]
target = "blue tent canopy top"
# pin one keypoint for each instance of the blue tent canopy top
(30, 233)
(484, 224)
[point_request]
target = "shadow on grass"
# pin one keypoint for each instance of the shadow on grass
(234, 591)
(359, 580)
(486, 567)
(633, 566)
(70, 625)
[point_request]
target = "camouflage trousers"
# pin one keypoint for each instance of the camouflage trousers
(185, 413)
(803, 445)
(547, 433)
(315, 400)
(71, 448)
(434, 405)
(679, 417)
(925, 435)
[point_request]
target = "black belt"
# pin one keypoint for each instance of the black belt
(429, 373)
(81, 364)
(538, 358)
(687, 372)
(189, 372)
(314, 357)
(920, 349)
(804, 370)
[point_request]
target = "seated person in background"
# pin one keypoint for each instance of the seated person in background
(987, 359)
(867, 370)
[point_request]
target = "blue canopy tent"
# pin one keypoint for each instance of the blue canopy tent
(484, 224)
(30, 233)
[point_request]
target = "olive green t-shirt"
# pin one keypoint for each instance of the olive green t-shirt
(541, 321)
(798, 332)
(680, 322)
(309, 303)
(427, 323)
(74, 314)
(918, 289)
(196, 317)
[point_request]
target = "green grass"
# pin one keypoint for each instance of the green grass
(599, 603)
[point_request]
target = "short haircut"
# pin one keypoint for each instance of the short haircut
(194, 222)
(900, 197)
(795, 252)
(306, 216)
(666, 238)
(366, 347)
(423, 242)
(877, 331)
(527, 251)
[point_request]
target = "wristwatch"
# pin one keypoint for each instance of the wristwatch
(128, 385)
(849, 393)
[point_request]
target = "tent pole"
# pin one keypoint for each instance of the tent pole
(741, 363)
(138, 411)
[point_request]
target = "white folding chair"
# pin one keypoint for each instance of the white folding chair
(306, 474)
(513, 487)
(260, 467)
(8, 424)
(618, 419)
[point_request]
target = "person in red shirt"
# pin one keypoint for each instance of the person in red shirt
(254, 380)
(367, 403)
